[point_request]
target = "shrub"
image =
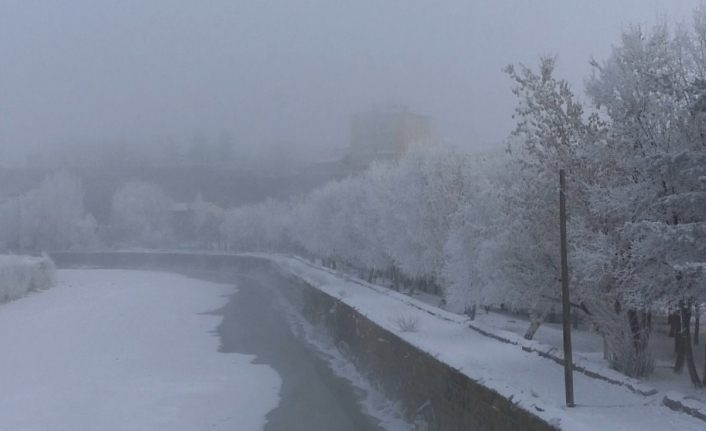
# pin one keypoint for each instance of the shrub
(406, 322)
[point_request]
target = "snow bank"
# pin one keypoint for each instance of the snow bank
(22, 274)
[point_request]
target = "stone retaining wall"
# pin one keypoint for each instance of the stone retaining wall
(429, 390)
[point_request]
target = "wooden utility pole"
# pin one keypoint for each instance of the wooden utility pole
(566, 304)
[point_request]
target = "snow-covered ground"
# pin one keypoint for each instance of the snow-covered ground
(534, 383)
(126, 350)
(589, 347)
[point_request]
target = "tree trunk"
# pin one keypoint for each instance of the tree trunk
(675, 330)
(536, 320)
(688, 349)
(704, 381)
(634, 320)
(640, 328)
(679, 342)
(693, 373)
(697, 323)
(533, 327)
(471, 312)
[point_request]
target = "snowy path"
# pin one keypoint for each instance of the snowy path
(533, 382)
(126, 350)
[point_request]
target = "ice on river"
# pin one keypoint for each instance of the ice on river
(126, 350)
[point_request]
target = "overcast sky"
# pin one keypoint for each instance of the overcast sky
(289, 70)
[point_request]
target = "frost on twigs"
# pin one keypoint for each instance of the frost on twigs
(405, 322)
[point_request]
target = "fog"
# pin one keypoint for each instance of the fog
(353, 214)
(286, 72)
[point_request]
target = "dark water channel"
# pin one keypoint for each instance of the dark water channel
(312, 397)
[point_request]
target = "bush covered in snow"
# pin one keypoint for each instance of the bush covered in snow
(405, 322)
(22, 274)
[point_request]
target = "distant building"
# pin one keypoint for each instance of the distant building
(386, 134)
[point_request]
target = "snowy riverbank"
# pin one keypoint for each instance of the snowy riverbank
(126, 350)
(533, 382)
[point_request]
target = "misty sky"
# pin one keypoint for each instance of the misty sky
(289, 70)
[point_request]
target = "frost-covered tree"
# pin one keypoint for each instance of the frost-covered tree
(393, 219)
(650, 200)
(424, 193)
(51, 216)
(260, 227)
(141, 215)
(471, 275)
(207, 219)
(367, 205)
(551, 133)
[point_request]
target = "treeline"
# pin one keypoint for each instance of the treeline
(52, 217)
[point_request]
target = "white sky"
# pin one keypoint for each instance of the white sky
(284, 70)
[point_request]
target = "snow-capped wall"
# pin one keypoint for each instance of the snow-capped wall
(21, 274)
(432, 394)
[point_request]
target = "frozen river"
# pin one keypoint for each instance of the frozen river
(143, 350)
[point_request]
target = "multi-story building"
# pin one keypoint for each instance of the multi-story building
(386, 134)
